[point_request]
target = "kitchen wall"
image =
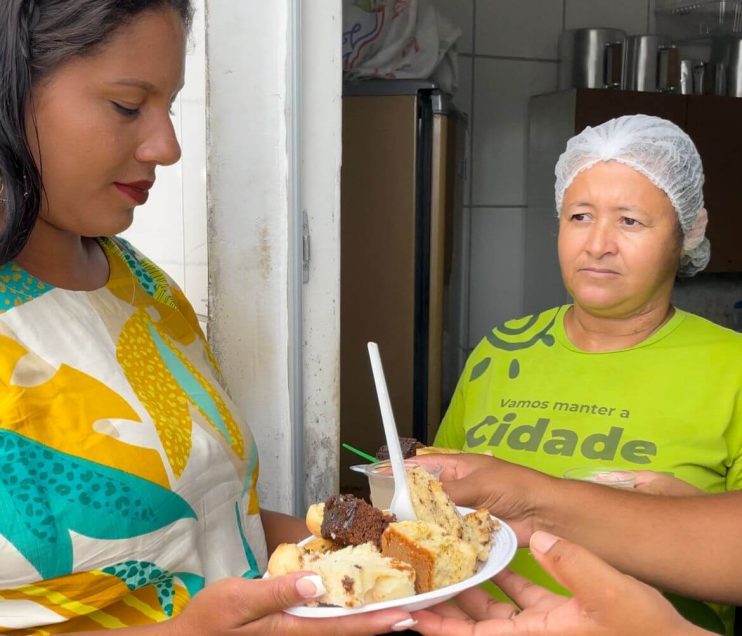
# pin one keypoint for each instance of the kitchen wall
(171, 227)
(259, 174)
(274, 150)
(508, 52)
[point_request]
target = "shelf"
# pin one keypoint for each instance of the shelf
(702, 17)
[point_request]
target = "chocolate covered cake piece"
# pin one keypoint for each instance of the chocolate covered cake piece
(409, 447)
(348, 520)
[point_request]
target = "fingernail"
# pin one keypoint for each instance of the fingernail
(403, 625)
(310, 586)
(543, 541)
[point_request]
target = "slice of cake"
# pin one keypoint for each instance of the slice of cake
(315, 514)
(320, 545)
(437, 450)
(353, 576)
(431, 503)
(348, 520)
(411, 447)
(439, 558)
(478, 529)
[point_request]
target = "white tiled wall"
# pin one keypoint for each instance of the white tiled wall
(502, 88)
(631, 16)
(496, 273)
(461, 13)
(509, 52)
(171, 227)
(525, 28)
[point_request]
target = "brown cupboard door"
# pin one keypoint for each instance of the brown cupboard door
(595, 106)
(377, 270)
(715, 125)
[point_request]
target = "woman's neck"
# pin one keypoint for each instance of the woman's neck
(64, 260)
(591, 332)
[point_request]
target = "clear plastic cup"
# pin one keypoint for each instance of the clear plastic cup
(615, 478)
(381, 481)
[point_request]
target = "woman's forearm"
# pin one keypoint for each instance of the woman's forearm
(281, 528)
(686, 545)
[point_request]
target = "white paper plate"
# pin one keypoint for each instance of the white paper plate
(504, 545)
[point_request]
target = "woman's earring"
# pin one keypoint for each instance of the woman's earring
(3, 198)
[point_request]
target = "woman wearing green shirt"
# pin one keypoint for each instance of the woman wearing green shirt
(621, 378)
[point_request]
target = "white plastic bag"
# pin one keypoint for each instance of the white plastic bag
(399, 39)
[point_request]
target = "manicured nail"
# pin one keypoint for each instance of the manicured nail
(543, 541)
(403, 625)
(310, 586)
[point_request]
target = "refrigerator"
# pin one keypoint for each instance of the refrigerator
(404, 260)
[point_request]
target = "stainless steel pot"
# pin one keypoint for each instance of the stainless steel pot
(650, 63)
(726, 54)
(590, 58)
(693, 80)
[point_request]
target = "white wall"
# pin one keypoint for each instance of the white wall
(254, 187)
(321, 146)
(171, 227)
(283, 377)
(508, 53)
(248, 168)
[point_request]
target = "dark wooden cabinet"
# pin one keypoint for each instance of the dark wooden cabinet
(593, 107)
(715, 125)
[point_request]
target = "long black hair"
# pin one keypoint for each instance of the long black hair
(36, 36)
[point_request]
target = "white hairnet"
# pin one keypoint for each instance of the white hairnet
(660, 151)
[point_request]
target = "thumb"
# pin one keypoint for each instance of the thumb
(281, 592)
(577, 569)
(466, 491)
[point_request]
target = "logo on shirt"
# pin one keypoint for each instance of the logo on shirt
(603, 445)
(514, 336)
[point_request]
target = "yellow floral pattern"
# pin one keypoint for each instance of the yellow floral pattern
(124, 474)
(162, 395)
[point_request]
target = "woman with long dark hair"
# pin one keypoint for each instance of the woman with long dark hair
(127, 485)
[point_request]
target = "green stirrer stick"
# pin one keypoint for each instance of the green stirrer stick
(360, 453)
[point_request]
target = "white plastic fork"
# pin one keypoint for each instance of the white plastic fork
(401, 505)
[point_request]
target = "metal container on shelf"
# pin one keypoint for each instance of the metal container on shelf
(693, 78)
(726, 55)
(590, 58)
(650, 63)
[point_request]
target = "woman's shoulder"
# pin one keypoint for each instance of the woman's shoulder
(152, 278)
(147, 272)
(155, 281)
(697, 326)
(710, 342)
(18, 287)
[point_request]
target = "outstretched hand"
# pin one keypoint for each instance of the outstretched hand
(605, 602)
(507, 490)
(237, 607)
(655, 483)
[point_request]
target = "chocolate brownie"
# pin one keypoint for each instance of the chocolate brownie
(348, 520)
(409, 447)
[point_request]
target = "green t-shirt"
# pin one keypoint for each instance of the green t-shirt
(672, 403)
